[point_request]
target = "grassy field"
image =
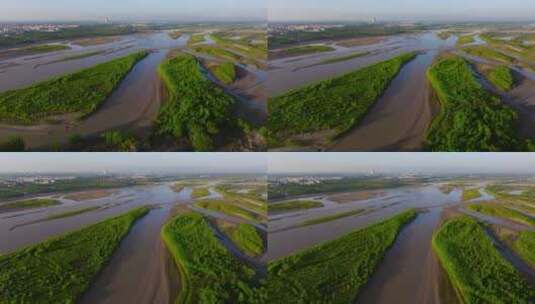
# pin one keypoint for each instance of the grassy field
(501, 77)
(82, 55)
(59, 270)
(470, 118)
(293, 206)
(253, 200)
(335, 271)
(194, 39)
(342, 58)
(245, 237)
(81, 92)
(465, 39)
(338, 103)
(224, 72)
(487, 53)
(217, 52)
(470, 194)
(227, 208)
(28, 204)
(497, 210)
(304, 50)
(200, 192)
(524, 245)
(477, 270)
(333, 217)
(244, 45)
(195, 108)
(209, 273)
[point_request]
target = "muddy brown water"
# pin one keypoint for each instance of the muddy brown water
(409, 272)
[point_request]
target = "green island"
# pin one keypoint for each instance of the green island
(200, 192)
(194, 39)
(209, 273)
(294, 205)
(195, 108)
(465, 39)
(338, 103)
(245, 237)
(224, 72)
(175, 34)
(501, 77)
(252, 201)
(470, 194)
(485, 52)
(81, 92)
(330, 218)
(245, 45)
(28, 204)
(502, 212)
(476, 269)
(470, 118)
(43, 48)
(227, 208)
(60, 269)
(341, 58)
(70, 213)
(524, 245)
(524, 201)
(217, 52)
(335, 271)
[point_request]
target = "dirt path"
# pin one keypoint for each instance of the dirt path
(399, 119)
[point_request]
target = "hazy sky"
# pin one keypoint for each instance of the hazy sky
(401, 162)
(469, 10)
(180, 10)
(115, 162)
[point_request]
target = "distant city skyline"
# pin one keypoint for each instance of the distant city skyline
(396, 10)
(186, 163)
(448, 163)
(133, 10)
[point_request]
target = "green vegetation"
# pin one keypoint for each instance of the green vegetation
(306, 49)
(253, 200)
(333, 217)
(343, 58)
(501, 77)
(444, 35)
(224, 72)
(465, 39)
(200, 192)
(347, 31)
(81, 92)
(227, 208)
(208, 271)
(254, 45)
(217, 52)
(477, 270)
(502, 212)
(470, 119)
(195, 108)
(28, 204)
(470, 194)
(335, 271)
(246, 237)
(70, 213)
(194, 39)
(339, 103)
(294, 205)
(331, 186)
(59, 270)
(120, 142)
(13, 144)
(525, 246)
(82, 55)
(46, 48)
(66, 34)
(484, 52)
